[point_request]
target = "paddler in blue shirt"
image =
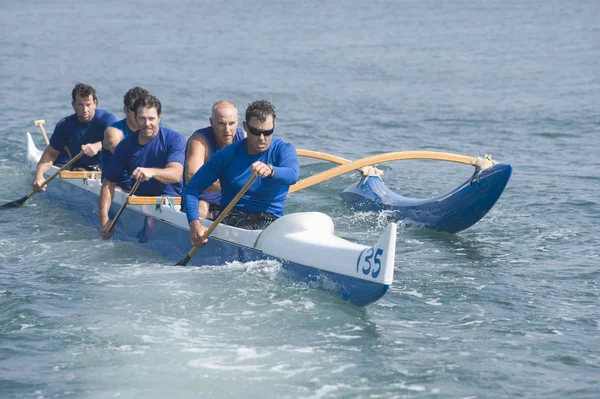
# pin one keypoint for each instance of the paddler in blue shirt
(203, 143)
(120, 130)
(153, 155)
(260, 154)
(82, 131)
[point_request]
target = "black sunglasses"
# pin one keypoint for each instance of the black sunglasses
(257, 132)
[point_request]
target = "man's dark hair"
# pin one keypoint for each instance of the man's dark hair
(148, 101)
(132, 95)
(84, 91)
(260, 109)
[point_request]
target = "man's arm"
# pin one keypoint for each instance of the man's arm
(45, 163)
(195, 156)
(104, 122)
(107, 193)
(205, 176)
(57, 140)
(170, 175)
(91, 149)
(112, 137)
(287, 169)
(175, 158)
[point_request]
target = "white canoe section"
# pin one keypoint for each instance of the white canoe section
(308, 239)
(33, 154)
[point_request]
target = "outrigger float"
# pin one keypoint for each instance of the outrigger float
(451, 212)
(304, 243)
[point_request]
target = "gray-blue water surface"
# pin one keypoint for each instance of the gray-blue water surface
(507, 308)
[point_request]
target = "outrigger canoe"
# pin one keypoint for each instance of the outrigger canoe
(451, 212)
(304, 243)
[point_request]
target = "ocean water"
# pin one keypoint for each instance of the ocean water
(507, 308)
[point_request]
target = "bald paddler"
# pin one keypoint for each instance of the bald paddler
(271, 159)
(204, 143)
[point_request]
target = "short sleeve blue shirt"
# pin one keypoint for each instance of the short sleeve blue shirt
(168, 146)
(71, 133)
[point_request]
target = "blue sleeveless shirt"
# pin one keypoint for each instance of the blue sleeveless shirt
(106, 156)
(209, 135)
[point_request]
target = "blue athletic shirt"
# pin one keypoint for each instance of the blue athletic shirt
(209, 135)
(168, 146)
(73, 134)
(232, 166)
(106, 156)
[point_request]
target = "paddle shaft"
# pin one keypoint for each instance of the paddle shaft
(122, 208)
(40, 123)
(349, 166)
(22, 200)
(218, 220)
(53, 175)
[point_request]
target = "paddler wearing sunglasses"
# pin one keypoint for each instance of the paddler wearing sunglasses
(271, 159)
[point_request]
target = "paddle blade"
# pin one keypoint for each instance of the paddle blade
(14, 204)
(184, 261)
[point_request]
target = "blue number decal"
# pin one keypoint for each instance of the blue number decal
(368, 267)
(368, 260)
(358, 260)
(375, 273)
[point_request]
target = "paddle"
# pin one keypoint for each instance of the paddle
(122, 208)
(40, 123)
(21, 201)
(213, 226)
(482, 163)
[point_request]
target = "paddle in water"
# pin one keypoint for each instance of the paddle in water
(21, 201)
(218, 220)
(122, 208)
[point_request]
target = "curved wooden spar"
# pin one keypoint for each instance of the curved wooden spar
(323, 156)
(349, 166)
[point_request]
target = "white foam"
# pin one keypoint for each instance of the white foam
(413, 293)
(325, 390)
(342, 368)
(434, 302)
(202, 363)
(344, 337)
(249, 353)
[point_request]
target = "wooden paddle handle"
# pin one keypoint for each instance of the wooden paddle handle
(40, 123)
(219, 219)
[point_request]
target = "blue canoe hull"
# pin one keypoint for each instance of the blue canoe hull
(452, 212)
(172, 242)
